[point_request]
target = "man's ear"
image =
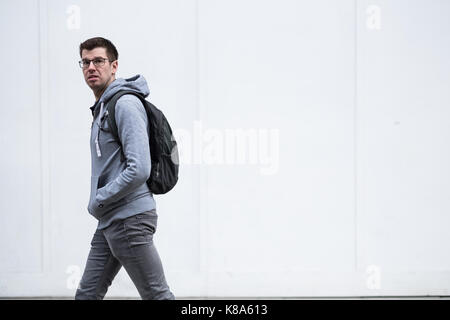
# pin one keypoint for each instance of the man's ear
(115, 65)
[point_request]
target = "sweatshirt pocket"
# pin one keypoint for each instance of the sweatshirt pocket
(102, 181)
(94, 208)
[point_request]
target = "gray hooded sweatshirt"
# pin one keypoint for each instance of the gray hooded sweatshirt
(118, 187)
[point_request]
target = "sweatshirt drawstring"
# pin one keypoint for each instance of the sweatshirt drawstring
(97, 146)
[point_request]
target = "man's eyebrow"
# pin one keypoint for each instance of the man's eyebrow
(95, 58)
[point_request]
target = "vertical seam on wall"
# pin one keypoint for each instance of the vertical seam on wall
(202, 184)
(46, 250)
(355, 135)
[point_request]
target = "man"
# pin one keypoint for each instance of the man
(120, 199)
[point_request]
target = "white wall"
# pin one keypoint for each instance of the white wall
(339, 188)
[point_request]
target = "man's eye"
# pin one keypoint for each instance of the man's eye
(86, 62)
(98, 60)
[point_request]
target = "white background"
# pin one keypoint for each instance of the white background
(357, 93)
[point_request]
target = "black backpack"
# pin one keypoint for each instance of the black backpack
(163, 147)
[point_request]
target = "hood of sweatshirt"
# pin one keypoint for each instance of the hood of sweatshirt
(136, 83)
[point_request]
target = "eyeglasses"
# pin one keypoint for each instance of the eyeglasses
(98, 62)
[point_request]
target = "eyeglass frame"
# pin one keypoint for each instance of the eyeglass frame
(81, 62)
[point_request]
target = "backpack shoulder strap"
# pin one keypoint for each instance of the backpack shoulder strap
(111, 108)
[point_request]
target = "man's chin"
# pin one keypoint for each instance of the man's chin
(94, 85)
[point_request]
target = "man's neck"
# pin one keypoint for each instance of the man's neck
(99, 93)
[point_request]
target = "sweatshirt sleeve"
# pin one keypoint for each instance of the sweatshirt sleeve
(132, 124)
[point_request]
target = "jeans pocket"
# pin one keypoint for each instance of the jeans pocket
(148, 226)
(136, 232)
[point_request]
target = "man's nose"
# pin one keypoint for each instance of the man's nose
(91, 65)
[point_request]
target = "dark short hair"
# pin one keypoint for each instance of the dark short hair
(99, 42)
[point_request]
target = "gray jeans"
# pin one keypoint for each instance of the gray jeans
(127, 243)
